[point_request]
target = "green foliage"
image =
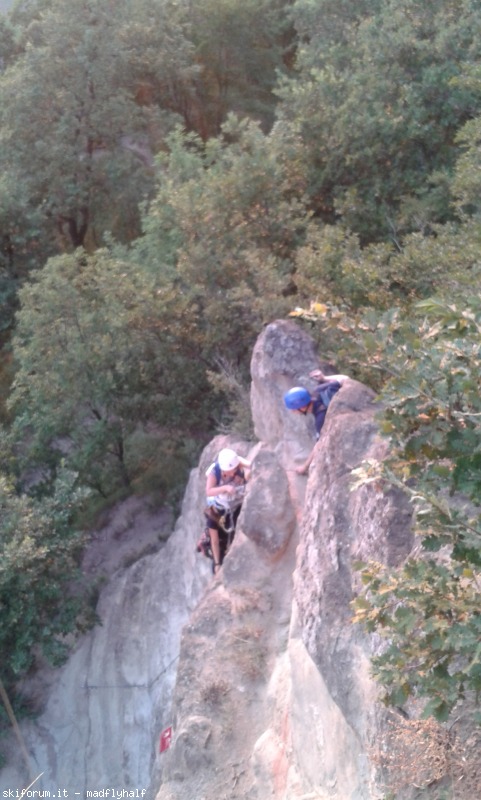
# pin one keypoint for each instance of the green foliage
(127, 359)
(331, 266)
(97, 362)
(21, 243)
(74, 132)
(6, 377)
(102, 91)
(378, 108)
(427, 361)
(112, 350)
(236, 412)
(222, 228)
(240, 49)
(466, 180)
(40, 596)
(428, 613)
(160, 67)
(429, 608)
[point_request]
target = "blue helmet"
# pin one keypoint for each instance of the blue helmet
(296, 398)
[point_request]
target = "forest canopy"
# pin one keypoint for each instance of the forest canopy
(173, 175)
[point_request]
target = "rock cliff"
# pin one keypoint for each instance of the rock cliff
(273, 696)
(259, 670)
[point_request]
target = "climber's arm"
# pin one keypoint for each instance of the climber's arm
(246, 466)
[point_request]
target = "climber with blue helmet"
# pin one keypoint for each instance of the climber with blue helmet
(299, 399)
(225, 487)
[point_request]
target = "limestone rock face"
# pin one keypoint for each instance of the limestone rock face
(259, 670)
(268, 519)
(101, 717)
(283, 357)
(281, 673)
(339, 526)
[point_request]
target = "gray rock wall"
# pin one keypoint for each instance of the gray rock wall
(106, 706)
(339, 526)
(303, 724)
(259, 670)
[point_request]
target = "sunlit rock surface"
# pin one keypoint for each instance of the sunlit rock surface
(259, 670)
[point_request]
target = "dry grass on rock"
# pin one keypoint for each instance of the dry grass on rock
(422, 758)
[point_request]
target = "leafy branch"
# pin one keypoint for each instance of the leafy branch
(427, 611)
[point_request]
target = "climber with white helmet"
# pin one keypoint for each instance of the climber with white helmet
(226, 480)
(300, 400)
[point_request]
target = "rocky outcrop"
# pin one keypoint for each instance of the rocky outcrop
(281, 682)
(105, 707)
(259, 670)
(339, 526)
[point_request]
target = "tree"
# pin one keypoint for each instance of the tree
(73, 132)
(109, 344)
(98, 366)
(332, 266)
(429, 609)
(378, 107)
(240, 49)
(42, 598)
(426, 610)
(223, 228)
(161, 68)
(465, 182)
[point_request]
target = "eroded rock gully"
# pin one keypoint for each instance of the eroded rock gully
(259, 670)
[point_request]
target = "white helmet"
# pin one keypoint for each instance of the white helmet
(227, 459)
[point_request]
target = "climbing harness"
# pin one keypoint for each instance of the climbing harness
(223, 512)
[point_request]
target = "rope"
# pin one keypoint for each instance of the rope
(131, 685)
